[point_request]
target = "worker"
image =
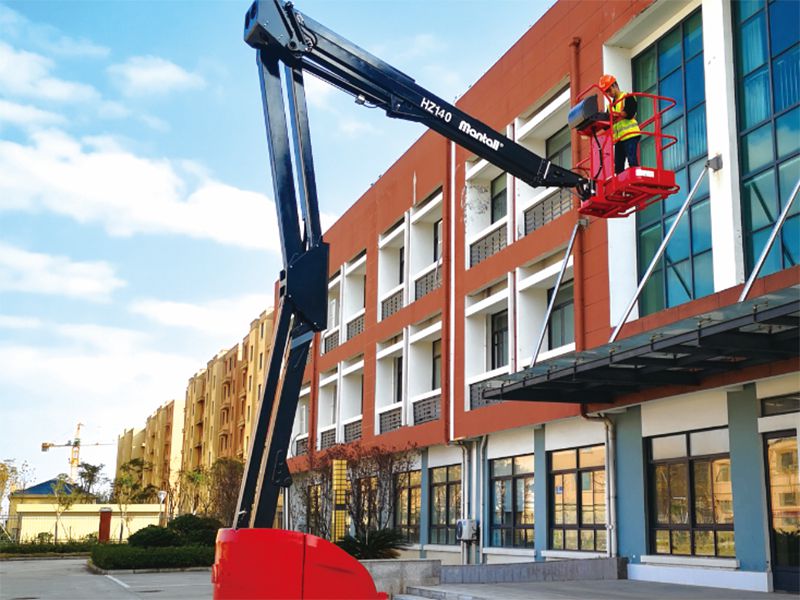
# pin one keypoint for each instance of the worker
(626, 131)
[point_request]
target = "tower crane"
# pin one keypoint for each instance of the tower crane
(75, 452)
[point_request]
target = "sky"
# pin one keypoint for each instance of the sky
(138, 234)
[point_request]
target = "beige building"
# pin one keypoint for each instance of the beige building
(130, 446)
(162, 449)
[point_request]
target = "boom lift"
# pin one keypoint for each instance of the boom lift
(253, 560)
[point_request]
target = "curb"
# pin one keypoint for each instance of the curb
(44, 556)
(90, 566)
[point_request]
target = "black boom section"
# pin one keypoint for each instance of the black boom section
(343, 64)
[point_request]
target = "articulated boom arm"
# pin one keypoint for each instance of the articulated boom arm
(300, 41)
(284, 37)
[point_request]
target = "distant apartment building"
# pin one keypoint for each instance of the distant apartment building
(441, 273)
(130, 446)
(163, 446)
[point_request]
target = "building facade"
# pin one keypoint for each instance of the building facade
(130, 446)
(162, 446)
(440, 278)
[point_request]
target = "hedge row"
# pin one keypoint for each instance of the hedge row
(129, 557)
(36, 548)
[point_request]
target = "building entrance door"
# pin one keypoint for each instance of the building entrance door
(784, 509)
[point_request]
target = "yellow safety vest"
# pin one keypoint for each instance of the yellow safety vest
(624, 128)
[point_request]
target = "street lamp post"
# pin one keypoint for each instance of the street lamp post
(162, 495)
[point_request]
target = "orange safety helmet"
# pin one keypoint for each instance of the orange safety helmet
(606, 81)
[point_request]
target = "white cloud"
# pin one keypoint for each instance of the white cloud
(152, 75)
(13, 25)
(26, 115)
(27, 74)
(14, 322)
(95, 180)
(227, 317)
(355, 127)
(32, 272)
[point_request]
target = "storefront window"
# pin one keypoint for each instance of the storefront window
(408, 501)
(445, 503)
(512, 501)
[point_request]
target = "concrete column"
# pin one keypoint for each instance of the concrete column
(541, 499)
(425, 500)
(631, 498)
(748, 480)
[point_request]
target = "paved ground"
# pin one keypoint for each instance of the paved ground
(583, 590)
(68, 579)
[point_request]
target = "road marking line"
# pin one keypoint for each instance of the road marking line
(115, 580)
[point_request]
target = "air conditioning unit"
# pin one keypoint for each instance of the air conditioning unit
(466, 530)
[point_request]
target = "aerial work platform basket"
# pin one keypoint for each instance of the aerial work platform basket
(635, 188)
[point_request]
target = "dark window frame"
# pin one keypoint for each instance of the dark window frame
(445, 531)
(692, 526)
(691, 274)
(436, 364)
(514, 527)
(437, 239)
(403, 481)
(748, 233)
(557, 154)
(498, 340)
(579, 525)
(498, 204)
(557, 319)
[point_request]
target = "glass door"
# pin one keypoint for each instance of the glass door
(784, 509)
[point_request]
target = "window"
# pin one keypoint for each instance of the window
(437, 240)
(445, 503)
(561, 328)
(397, 383)
(401, 265)
(673, 67)
(364, 503)
(578, 490)
(436, 365)
(262, 329)
(498, 339)
(780, 405)
(408, 500)
(767, 60)
(260, 360)
(559, 149)
(512, 501)
(691, 510)
(498, 190)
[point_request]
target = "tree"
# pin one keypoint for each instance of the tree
(195, 490)
(13, 478)
(225, 480)
(66, 495)
(127, 489)
(89, 476)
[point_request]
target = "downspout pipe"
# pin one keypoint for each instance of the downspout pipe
(465, 487)
(611, 478)
(577, 258)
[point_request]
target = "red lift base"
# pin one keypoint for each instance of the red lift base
(273, 564)
(630, 191)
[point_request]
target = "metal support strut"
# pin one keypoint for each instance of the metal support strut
(765, 252)
(713, 163)
(551, 303)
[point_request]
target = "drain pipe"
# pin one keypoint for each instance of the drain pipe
(484, 464)
(465, 495)
(611, 479)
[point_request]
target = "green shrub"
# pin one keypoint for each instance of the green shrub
(380, 543)
(154, 536)
(129, 557)
(194, 530)
(37, 548)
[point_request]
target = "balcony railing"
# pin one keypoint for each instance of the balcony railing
(428, 282)
(355, 326)
(488, 245)
(392, 304)
(427, 409)
(327, 438)
(476, 399)
(331, 341)
(352, 431)
(301, 447)
(547, 210)
(391, 419)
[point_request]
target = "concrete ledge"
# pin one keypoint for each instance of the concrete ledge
(752, 581)
(562, 570)
(394, 575)
(90, 566)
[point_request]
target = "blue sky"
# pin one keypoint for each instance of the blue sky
(137, 230)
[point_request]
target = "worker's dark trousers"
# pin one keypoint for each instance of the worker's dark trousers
(626, 149)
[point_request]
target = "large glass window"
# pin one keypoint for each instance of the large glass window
(498, 339)
(578, 490)
(691, 510)
(561, 328)
(784, 509)
(498, 190)
(767, 56)
(445, 503)
(408, 500)
(673, 67)
(512, 504)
